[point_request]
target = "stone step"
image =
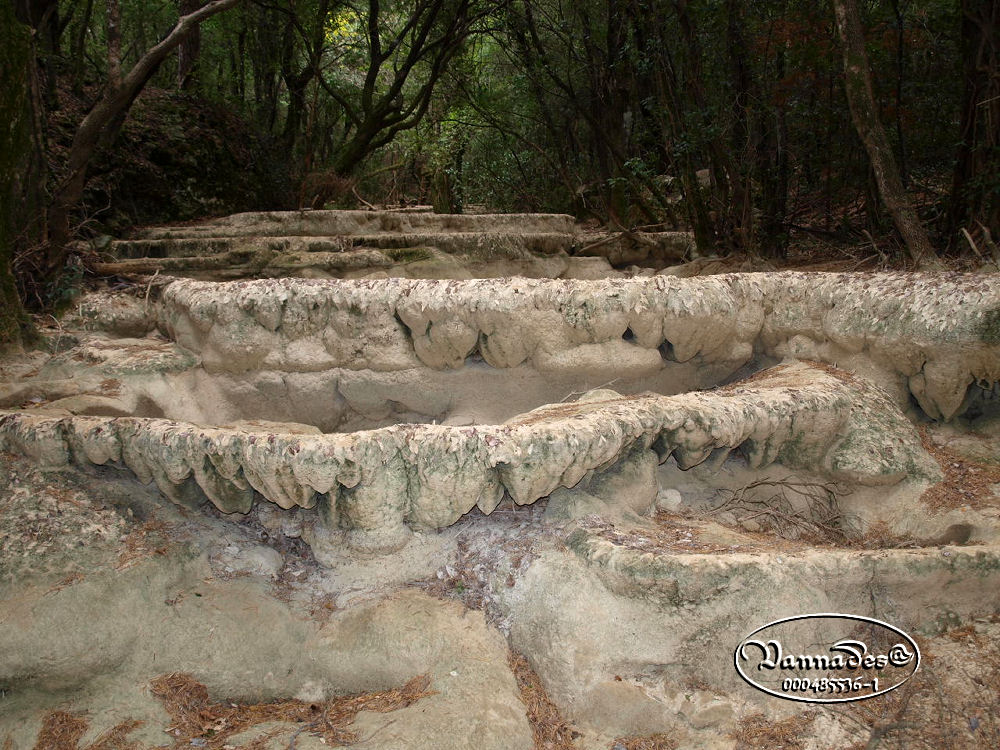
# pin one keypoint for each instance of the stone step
(686, 613)
(331, 223)
(926, 337)
(935, 338)
(397, 247)
(358, 263)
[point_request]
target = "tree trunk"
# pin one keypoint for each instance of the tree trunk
(100, 126)
(897, 11)
(114, 33)
(78, 59)
(190, 48)
(295, 85)
(667, 88)
(15, 57)
(43, 18)
(774, 173)
(864, 114)
(974, 198)
(747, 139)
(296, 82)
(730, 200)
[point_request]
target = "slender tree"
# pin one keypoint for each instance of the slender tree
(100, 126)
(864, 114)
(189, 49)
(976, 182)
(14, 58)
(429, 38)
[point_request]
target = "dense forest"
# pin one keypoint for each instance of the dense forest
(759, 126)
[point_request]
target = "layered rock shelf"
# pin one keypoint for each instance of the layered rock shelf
(259, 475)
(330, 223)
(929, 336)
(400, 243)
(380, 483)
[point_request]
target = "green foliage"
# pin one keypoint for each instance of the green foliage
(408, 254)
(604, 109)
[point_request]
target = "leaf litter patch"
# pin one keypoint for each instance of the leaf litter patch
(197, 721)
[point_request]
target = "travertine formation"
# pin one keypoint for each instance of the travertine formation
(400, 243)
(697, 456)
(361, 223)
(650, 631)
(929, 336)
(380, 483)
(932, 336)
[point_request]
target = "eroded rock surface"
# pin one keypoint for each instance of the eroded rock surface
(380, 484)
(393, 243)
(930, 336)
(562, 456)
(131, 600)
(344, 244)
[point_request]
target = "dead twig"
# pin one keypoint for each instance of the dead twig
(571, 394)
(757, 505)
(149, 287)
(354, 192)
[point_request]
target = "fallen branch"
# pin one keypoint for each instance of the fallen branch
(354, 192)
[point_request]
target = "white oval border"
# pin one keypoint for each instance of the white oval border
(818, 615)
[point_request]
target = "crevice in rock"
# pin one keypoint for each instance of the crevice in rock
(666, 350)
